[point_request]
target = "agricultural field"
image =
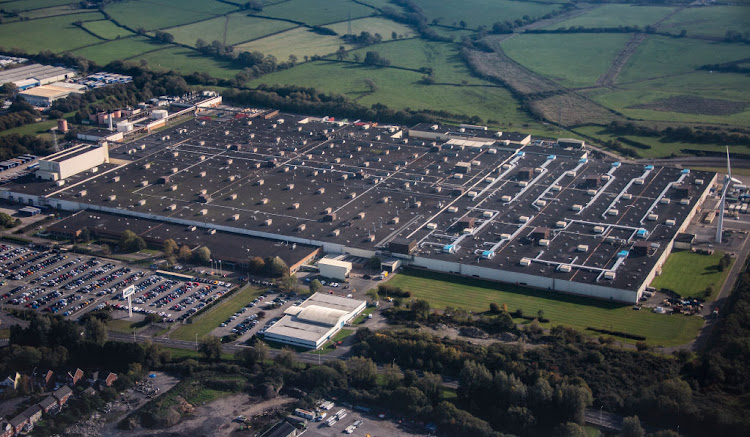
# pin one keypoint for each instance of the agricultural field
(658, 149)
(187, 61)
(239, 28)
(414, 53)
(400, 89)
(689, 274)
(48, 12)
(573, 60)
(124, 48)
(615, 15)
(577, 312)
(27, 5)
(56, 34)
(373, 25)
(660, 56)
(160, 14)
(714, 21)
(316, 13)
(299, 42)
(106, 29)
(208, 321)
(477, 13)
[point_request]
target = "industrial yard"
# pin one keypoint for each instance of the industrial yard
(457, 200)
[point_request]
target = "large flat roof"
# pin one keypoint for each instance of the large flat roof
(353, 188)
(312, 320)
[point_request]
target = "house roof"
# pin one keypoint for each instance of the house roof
(47, 402)
(62, 392)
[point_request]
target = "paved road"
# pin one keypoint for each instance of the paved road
(603, 419)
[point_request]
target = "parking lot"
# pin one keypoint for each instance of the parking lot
(70, 284)
(368, 424)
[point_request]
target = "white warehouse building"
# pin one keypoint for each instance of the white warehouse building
(69, 162)
(334, 269)
(315, 321)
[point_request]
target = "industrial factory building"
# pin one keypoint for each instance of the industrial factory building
(463, 200)
(315, 321)
(70, 162)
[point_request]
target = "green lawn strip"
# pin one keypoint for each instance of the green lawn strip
(689, 274)
(186, 61)
(106, 29)
(124, 326)
(561, 309)
(477, 13)
(362, 317)
(713, 21)
(316, 13)
(189, 353)
(209, 321)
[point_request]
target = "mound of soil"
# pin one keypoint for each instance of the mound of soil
(694, 105)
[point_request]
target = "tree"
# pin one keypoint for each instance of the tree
(202, 255)
(152, 318)
(392, 376)
(570, 429)
(315, 286)
(184, 253)
(130, 242)
(341, 53)
(286, 358)
(253, 355)
(374, 262)
(462, 23)
(276, 267)
(373, 294)
(289, 282)
(394, 35)
(292, 59)
(95, 331)
(256, 265)
(9, 89)
(169, 248)
(420, 308)
(210, 347)
(371, 85)
(6, 220)
(631, 427)
(494, 308)
(362, 372)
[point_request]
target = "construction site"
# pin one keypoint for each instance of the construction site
(460, 200)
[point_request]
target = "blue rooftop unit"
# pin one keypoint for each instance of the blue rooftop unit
(488, 254)
(616, 164)
(449, 248)
(685, 171)
(622, 254)
(648, 167)
(641, 233)
(521, 154)
(551, 158)
(583, 161)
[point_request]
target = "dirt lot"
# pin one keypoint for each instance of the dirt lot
(372, 425)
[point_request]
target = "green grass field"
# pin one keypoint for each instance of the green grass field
(41, 128)
(482, 12)
(123, 48)
(56, 34)
(106, 29)
(615, 15)
(240, 28)
(414, 53)
(373, 25)
(314, 13)
(49, 12)
(690, 273)
(710, 21)
(160, 14)
(577, 312)
(573, 60)
(399, 89)
(300, 42)
(187, 61)
(658, 149)
(328, 347)
(120, 325)
(660, 56)
(207, 322)
(26, 5)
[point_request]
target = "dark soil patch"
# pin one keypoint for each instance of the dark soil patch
(694, 105)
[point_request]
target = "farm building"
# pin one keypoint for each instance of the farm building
(315, 321)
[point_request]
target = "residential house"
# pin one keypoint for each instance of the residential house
(111, 378)
(18, 423)
(6, 429)
(34, 413)
(48, 404)
(62, 395)
(75, 377)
